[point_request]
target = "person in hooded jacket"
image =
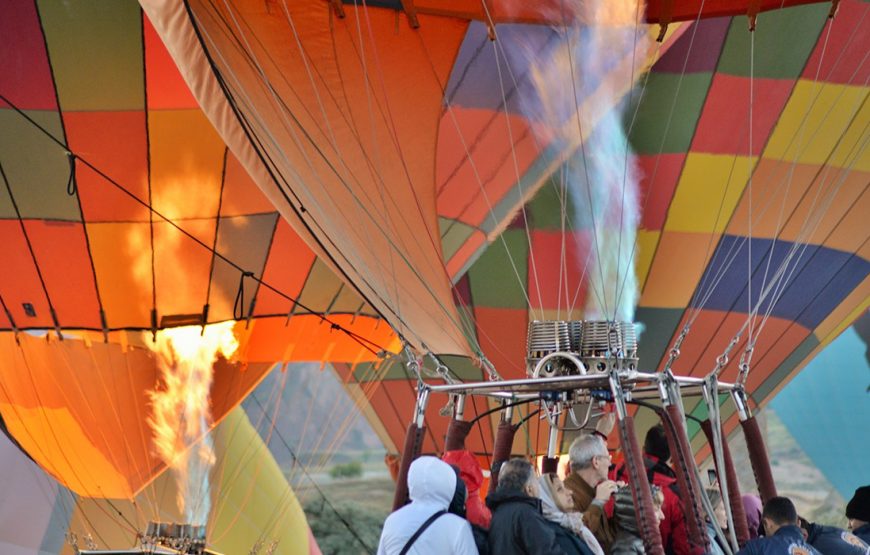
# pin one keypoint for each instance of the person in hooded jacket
(471, 474)
(858, 513)
(831, 540)
(558, 508)
(752, 508)
(431, 487)
(518, 526)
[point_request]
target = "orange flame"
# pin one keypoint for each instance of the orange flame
(181, 414)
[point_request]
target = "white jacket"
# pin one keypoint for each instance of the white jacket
(431, 484)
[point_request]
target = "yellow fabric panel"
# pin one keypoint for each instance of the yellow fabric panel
(250, 492)
(644, 251)
(679, 263)
(813, 120)
(708, 182)
(186, 164)
(56, 439)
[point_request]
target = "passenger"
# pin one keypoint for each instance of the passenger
(470, 472)
(424, 526)
(518, 527)
(559, 508)
(752, 507)
(858, 513)
(628, 540)
(656, 454)
(587, 481)
(721, 519)
(782, 534)
(831, 540)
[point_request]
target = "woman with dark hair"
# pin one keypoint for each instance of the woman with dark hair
(558, 508)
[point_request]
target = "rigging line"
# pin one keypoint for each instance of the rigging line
(781, 287)
(563, 250)
(750, 168)
(244, 45)
(264, 446)
(114, 461)
(585, 159)
(481, 186)
(783, 267)
(629, 267)
(174, 224)
(655, 58)
(285, 108)
(57, 442)
(247, 453)
(377, 153)
(265, 159)
(531, 257)
(217, 227)
(695, 311)
(323, 496)
(737, 245)
(353, 195)
(830, 25)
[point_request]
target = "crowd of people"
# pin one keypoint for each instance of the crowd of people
(591, 512)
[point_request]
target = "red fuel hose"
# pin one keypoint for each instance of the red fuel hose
(413, 444)
(738, 513)
(640, 488)
(758, 458)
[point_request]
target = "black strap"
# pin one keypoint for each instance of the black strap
(420, 531)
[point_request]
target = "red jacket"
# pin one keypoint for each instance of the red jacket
(469, 470)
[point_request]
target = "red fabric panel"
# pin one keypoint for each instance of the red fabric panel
(720, 132)
(114, 142)
(286, 270)
(659, 177)
(547, 256)
(850, 31)
(19, 282)
(166, 90)
(25, 77)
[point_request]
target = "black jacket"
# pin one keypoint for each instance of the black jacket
(518, 527)
(835, 541)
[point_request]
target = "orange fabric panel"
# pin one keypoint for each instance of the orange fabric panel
(241, 195)
(403, 76)
(509, 354)
(19, 282)
(680, 261)
(114, 142)
(181, 266)
(186, 164)
(121, 256)
(80, 409)
(66, 268)
(485, 133)
(286, 270)
(165, 89)
(305, 338)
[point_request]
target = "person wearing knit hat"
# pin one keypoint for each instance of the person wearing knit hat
(858, 513)
(628, 540)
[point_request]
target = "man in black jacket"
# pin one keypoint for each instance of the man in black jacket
(518, 527)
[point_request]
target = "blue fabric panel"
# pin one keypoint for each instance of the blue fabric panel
(817, 279)
(826, 408)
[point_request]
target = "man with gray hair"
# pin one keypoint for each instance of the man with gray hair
(518, 526)
(587, 479)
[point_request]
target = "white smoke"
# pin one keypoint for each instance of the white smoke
(582, 84)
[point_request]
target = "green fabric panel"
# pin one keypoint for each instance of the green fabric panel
(453, 235)
(698, 409)
(784, 39)
(95, 49)
(492, 278)
(245, 240)
(36, 167)
(783, 371)
(652, 117)
(347, 302)
(320, 288)
(655, 341)
(545, 210)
